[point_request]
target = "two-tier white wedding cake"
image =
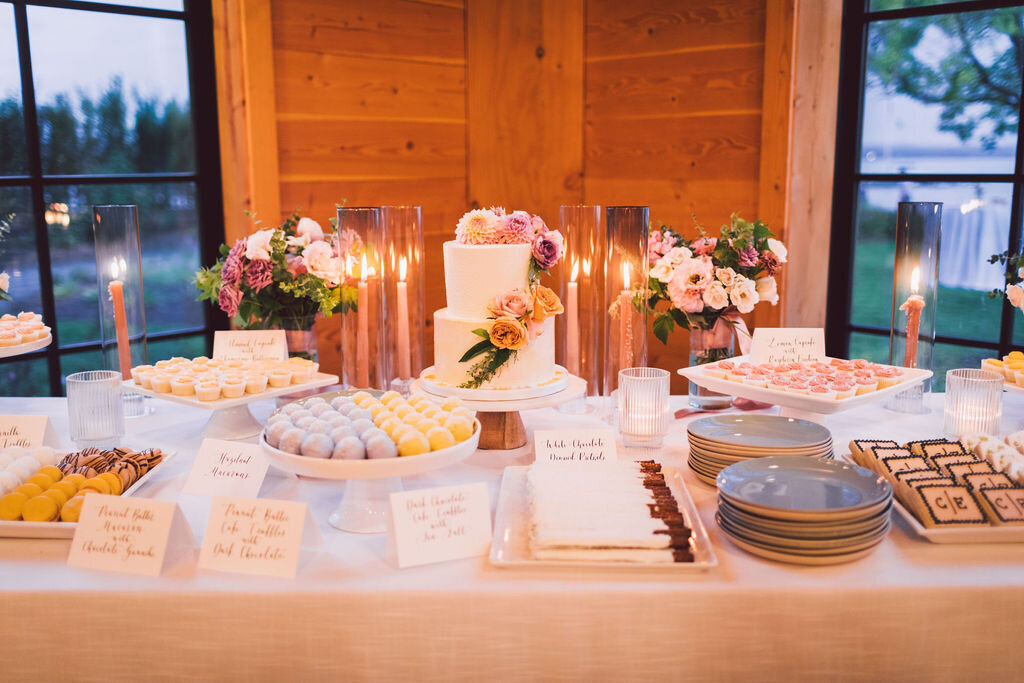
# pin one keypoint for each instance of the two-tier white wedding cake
(497, 331)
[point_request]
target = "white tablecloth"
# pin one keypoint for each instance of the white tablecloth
(912, 610)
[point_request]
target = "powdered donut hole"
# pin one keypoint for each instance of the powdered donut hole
(319, 409)
(341, 432)
(317, 446)
(276, 430)
(349, 448)
(314, 401)
(335, 419)
(381, 446)
(361, 425)
(360, 414)
(291, 440)
(290, 408)
(373, 433)
(304, 421)
(319, 427)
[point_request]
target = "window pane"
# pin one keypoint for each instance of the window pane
(175, 5)
(80, 361)
(875, 347)
(12, 121)
(186, 347)
(879, 5)
(170, 255)
(25, 377)
(122, 109)
(975, 225)
(18, 253)
(941, 94)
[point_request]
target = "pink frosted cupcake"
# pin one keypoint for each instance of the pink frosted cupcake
(714, 370)
(756, 379)
(887, 377)
(779, 382)
(822, 391)
(798, 387)
(739, 374)
(844, 390)
(865, 385)
(767, 368)
(861, 363)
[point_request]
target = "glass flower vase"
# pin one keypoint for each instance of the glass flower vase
(709, 346)
(300, 336)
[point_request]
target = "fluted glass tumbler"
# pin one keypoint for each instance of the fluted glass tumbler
(644, 409)
(95, 413)
(974, 402)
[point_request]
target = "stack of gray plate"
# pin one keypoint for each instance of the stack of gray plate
(803, 511)
(719, 441)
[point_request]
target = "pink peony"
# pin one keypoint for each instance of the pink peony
(748, 258)
(705, 246)
(547, 249)
(296, 266)
(228, 299)
(514, 304)
(308, 227)
(518, 228)
(259, 275)
(686, 299)
(321, 262)
(696, 272)
(539, 226)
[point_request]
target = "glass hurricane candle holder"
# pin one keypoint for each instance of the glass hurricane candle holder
(360, 240)
(625, 284)
(122, 310)
(914, 290)
(403, 285)
(582, 294)
(973, 402)
(644, 409)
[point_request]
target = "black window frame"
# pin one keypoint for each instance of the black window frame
(857, 18)
(197, 16)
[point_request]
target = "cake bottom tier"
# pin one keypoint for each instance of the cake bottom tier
(453, 336)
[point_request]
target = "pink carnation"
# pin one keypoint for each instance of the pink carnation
(259, 275)
(228, 299)
(748, 258)
(704, 246)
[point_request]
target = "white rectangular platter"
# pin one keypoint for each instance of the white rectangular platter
(978, 534)
(804, 402)
(510, 546)
(21, 529)
(321, 380)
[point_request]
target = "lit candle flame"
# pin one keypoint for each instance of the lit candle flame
(362, 269)
(586, 267)
(114, 270)
(915, 280)
(575, 270)
(625, 275)
(401, 268)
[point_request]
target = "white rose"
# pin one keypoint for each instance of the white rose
(743, 294)
(257, 247)
(725, 276)
(767, 290)
(677, 255)
(5, 281)
(299, 241)
(715, 296)
(1016, 296)
(308, 227)
(320, 262)
(662, 271)
(778, 248)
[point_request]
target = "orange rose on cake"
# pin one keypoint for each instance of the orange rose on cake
(508, 333)
(545, 304)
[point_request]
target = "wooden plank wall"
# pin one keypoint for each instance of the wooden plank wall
(527, 103)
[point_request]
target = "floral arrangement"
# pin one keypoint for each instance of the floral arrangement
(708, 282)
(5, 279)
(1014, 267)
(517, 315)
(278, 276)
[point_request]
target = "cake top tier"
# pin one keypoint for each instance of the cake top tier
(496, 226)
(476, 273)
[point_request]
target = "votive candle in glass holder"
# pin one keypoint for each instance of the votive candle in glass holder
(582, 293)
(625, 282)
(403, 284)
(973, 402)
(914, 290)
(360, 246)
(122, 309)
(644, 410)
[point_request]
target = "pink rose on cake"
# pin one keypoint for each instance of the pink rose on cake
(513, 304)
(547, 249)
(479, 226)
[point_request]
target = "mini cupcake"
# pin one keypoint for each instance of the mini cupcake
(714, 370)
(8, 318)
(208, 391)
(778, 382)
(822, 391)
(888, 377)
(28, 333)
(139, 370)
(861, 363)
(799, 387)
(183, 386)
(27, 317)
(233, 387)
(992, 365)
(200, 360)
(234, 364)
(739, 374)
(255, 383)
(163, 364)
(213, 364)
(844, 390)
(280, 377)
(865, 385)
(756, 379)
(160, 382)
(819, 366)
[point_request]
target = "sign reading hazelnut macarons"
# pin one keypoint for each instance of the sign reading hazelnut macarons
(227, 468)
(250, 345)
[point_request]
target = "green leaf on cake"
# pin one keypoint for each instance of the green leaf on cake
(475, 350)
(481, 332)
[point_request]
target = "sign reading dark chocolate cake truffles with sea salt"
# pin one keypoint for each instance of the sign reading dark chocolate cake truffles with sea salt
(583, 447)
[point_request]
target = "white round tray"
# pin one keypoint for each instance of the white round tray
(431, 386)
(8, 351)
(575, 387)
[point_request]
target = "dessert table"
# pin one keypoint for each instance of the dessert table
(912, 609)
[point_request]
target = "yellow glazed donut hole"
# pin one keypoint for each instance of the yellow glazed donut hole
(451, 404)
(460, 427)
(440, 438)
(417, 399)
(389, 425)
(389, 397)
(413, 443)
(426, 424)
(360, 398)
(412, 418)
(399, 431)
(382, 417)
(403, 410)
(377, 408)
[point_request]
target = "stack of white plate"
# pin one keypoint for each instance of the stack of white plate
(719, 441)
(804, 511)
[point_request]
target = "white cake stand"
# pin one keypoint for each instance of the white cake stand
(364, 507)
(28, 347)
(231, 419)
(500, 419)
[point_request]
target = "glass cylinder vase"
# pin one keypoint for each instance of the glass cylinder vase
(582, 293)
(404, 293)
(914, 296)
(122, 309)
(710, 346)
(625, 284)
(360, 239)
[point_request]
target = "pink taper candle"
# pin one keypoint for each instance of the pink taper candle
(625, 321)
(124, 351)
(913, 306)
(363, 331)
(572, 324)
(404, 361)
